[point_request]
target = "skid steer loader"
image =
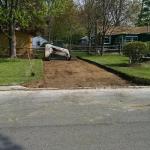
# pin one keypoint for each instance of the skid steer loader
(51, 49)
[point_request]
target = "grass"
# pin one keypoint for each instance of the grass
(79, 53)
(17, 71)
(120, 63)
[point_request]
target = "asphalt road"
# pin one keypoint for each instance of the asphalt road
(102, 119)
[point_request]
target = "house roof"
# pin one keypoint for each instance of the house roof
(85, 38)
(129, 30)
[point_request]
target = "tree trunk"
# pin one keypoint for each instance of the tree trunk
(49, 31)
(95, 32)
(12, 28)
(89, 42)
(12, 41)
(102, 45)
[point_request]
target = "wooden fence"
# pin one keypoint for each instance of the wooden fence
(23, 52)
(95, 49)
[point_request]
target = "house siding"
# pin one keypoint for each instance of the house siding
(121, 39)
(38, 41)
(24, 43)
(144, 37)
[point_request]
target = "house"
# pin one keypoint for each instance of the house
(122, 35)
(38, 41)
(84, 41)
(23, 40)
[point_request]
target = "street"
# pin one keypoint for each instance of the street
(88, 119)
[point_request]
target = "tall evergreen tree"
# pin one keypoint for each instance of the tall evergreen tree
(144, 17)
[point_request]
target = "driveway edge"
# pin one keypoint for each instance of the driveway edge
(132, 79)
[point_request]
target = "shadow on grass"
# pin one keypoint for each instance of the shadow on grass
(119, 65)
(7, 144)
(4, 60)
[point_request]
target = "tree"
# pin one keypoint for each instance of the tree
(109, 14)
(88, 18)
(135, 51)
(144, 16)
(18, 13)
(56, 8)
(102, 16)
(133, 11)
(63, 21)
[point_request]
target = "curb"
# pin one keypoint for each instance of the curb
(132, 79)
(11, 88)
(21, 88)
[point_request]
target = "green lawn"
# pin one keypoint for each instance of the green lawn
(79, 53)
(17, 71)
(120, 63)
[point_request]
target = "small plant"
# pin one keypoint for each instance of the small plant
(135, 51)
(32, 74)
(31, 65)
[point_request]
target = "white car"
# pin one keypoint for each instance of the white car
(51, 49)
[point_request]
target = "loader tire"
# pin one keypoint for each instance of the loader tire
(69, 58)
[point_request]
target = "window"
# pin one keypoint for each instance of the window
(38, 43)
(131, 38)
(107, 40)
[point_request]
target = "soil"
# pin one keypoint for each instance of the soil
(75, 74)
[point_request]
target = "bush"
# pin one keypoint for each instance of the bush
(148, 45)
(135, 51)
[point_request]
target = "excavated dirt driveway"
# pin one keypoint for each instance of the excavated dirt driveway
(75, 74)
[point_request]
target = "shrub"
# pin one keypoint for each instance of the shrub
(135, 51)
(148, 45)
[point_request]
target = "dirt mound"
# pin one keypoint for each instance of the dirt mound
(75, 74)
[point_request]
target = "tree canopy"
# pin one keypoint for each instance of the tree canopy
(69, 20)
(144, 16)
(19, 14)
